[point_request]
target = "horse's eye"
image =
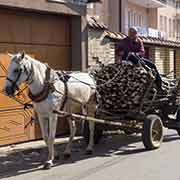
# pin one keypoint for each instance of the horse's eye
(16, 71)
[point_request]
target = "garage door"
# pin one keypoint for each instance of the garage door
(45, 37)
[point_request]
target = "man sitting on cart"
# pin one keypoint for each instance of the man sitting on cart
(132, 49)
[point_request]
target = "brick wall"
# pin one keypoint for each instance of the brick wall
(163, 58)
(100, 47)
(177, 63)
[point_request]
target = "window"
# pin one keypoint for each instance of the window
(178, 5)
(170, 27)
(174, 28)
(178, 29)
(145, 21)
(136, 19)
(161, 23)
(165, 24)
(140, 20)
(129, 19)
(132, 18)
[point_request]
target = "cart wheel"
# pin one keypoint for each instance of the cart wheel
(178, 120)
(98, 132)
(152, 134)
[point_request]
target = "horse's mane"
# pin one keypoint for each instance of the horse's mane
(35, 61)
(30, 58)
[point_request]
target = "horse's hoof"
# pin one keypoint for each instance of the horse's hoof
(67, 156)
(47, 166)
(89, 152)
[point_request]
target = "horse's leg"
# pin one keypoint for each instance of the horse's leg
(72, 126)
(90, 111)
(50, 140)
(44, 125)
(89, 149)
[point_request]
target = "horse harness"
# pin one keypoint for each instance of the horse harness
(64, 78)
(49, 87)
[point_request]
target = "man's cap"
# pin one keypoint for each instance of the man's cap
(133, 29)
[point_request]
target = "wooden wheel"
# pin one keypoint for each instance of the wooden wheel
(152, 134)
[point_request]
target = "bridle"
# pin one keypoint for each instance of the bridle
(14, 82)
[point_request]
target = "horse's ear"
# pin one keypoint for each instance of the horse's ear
(23, 55)
(9, 54)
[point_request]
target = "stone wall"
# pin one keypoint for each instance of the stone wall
(99, 47)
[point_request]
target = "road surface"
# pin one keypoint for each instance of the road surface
(117, 157)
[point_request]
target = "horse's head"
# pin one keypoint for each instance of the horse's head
(17, 73)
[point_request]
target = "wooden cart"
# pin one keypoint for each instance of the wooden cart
(149, 120)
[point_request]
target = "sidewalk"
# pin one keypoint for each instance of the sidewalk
(30, 156)
(32, 145)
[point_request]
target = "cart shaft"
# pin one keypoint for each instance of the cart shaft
(87, 118)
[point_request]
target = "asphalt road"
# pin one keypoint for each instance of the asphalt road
(117, 157)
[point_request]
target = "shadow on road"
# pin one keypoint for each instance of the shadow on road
(18, 163)
(171, 137)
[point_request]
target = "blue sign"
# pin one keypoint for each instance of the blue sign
(150, 32)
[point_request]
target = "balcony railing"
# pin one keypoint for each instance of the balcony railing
(78, 2)
(150, 3)
(163, 1)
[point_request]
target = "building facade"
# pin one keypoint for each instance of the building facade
(157, 20)
(106, 12)
(161, 16)
(148, 15)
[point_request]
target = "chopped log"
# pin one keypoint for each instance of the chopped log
(121, 86)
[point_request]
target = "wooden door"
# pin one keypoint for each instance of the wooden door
(13, 118)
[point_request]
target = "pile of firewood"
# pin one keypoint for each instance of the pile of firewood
(120, 86)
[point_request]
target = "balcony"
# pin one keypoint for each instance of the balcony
(163, 1)
(150, 3)
(78, 2)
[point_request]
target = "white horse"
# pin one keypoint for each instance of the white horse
(47, 92)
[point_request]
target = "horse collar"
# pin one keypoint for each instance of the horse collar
(46, 89)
